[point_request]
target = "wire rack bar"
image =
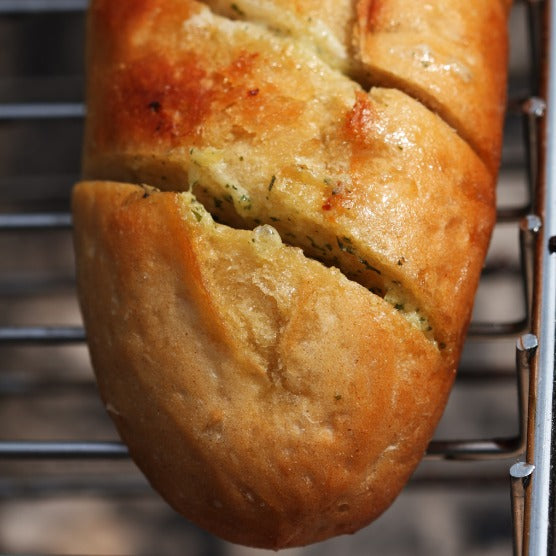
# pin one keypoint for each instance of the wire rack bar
(496, 329)
(41, 334)
(511, 214)
(41, 110)
(40, 221)
(125, 486)
(62, 450)
(520, 478)
(57, 220)
(539, 526)
(38, 6)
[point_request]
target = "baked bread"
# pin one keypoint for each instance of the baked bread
(276, 318)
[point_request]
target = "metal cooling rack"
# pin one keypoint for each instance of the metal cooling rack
(533, 330)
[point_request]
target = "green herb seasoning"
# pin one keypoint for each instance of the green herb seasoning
(342, 245)
(368, 266)
(198, 215)
(314, 245)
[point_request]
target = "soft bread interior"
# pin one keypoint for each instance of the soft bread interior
(265, 396)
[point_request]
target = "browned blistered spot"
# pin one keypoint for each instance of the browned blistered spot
(360, 121)
(155, 98)
(152, 98)
(340, 199)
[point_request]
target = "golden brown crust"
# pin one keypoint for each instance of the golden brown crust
(272, 399)
(451, 55)
(219, 381)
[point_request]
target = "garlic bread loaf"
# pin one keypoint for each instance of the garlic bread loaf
(278, 245)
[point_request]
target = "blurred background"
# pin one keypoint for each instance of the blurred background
(103, 505)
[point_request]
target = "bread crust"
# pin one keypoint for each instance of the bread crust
(267, 397)
(449, 54)
(277, 375)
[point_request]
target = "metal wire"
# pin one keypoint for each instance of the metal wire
(43, 221)
(37, 6)
(41, 334)
(539, 492)
(41, 110)
(62, 450)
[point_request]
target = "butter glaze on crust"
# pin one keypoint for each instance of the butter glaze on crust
(267, 397)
